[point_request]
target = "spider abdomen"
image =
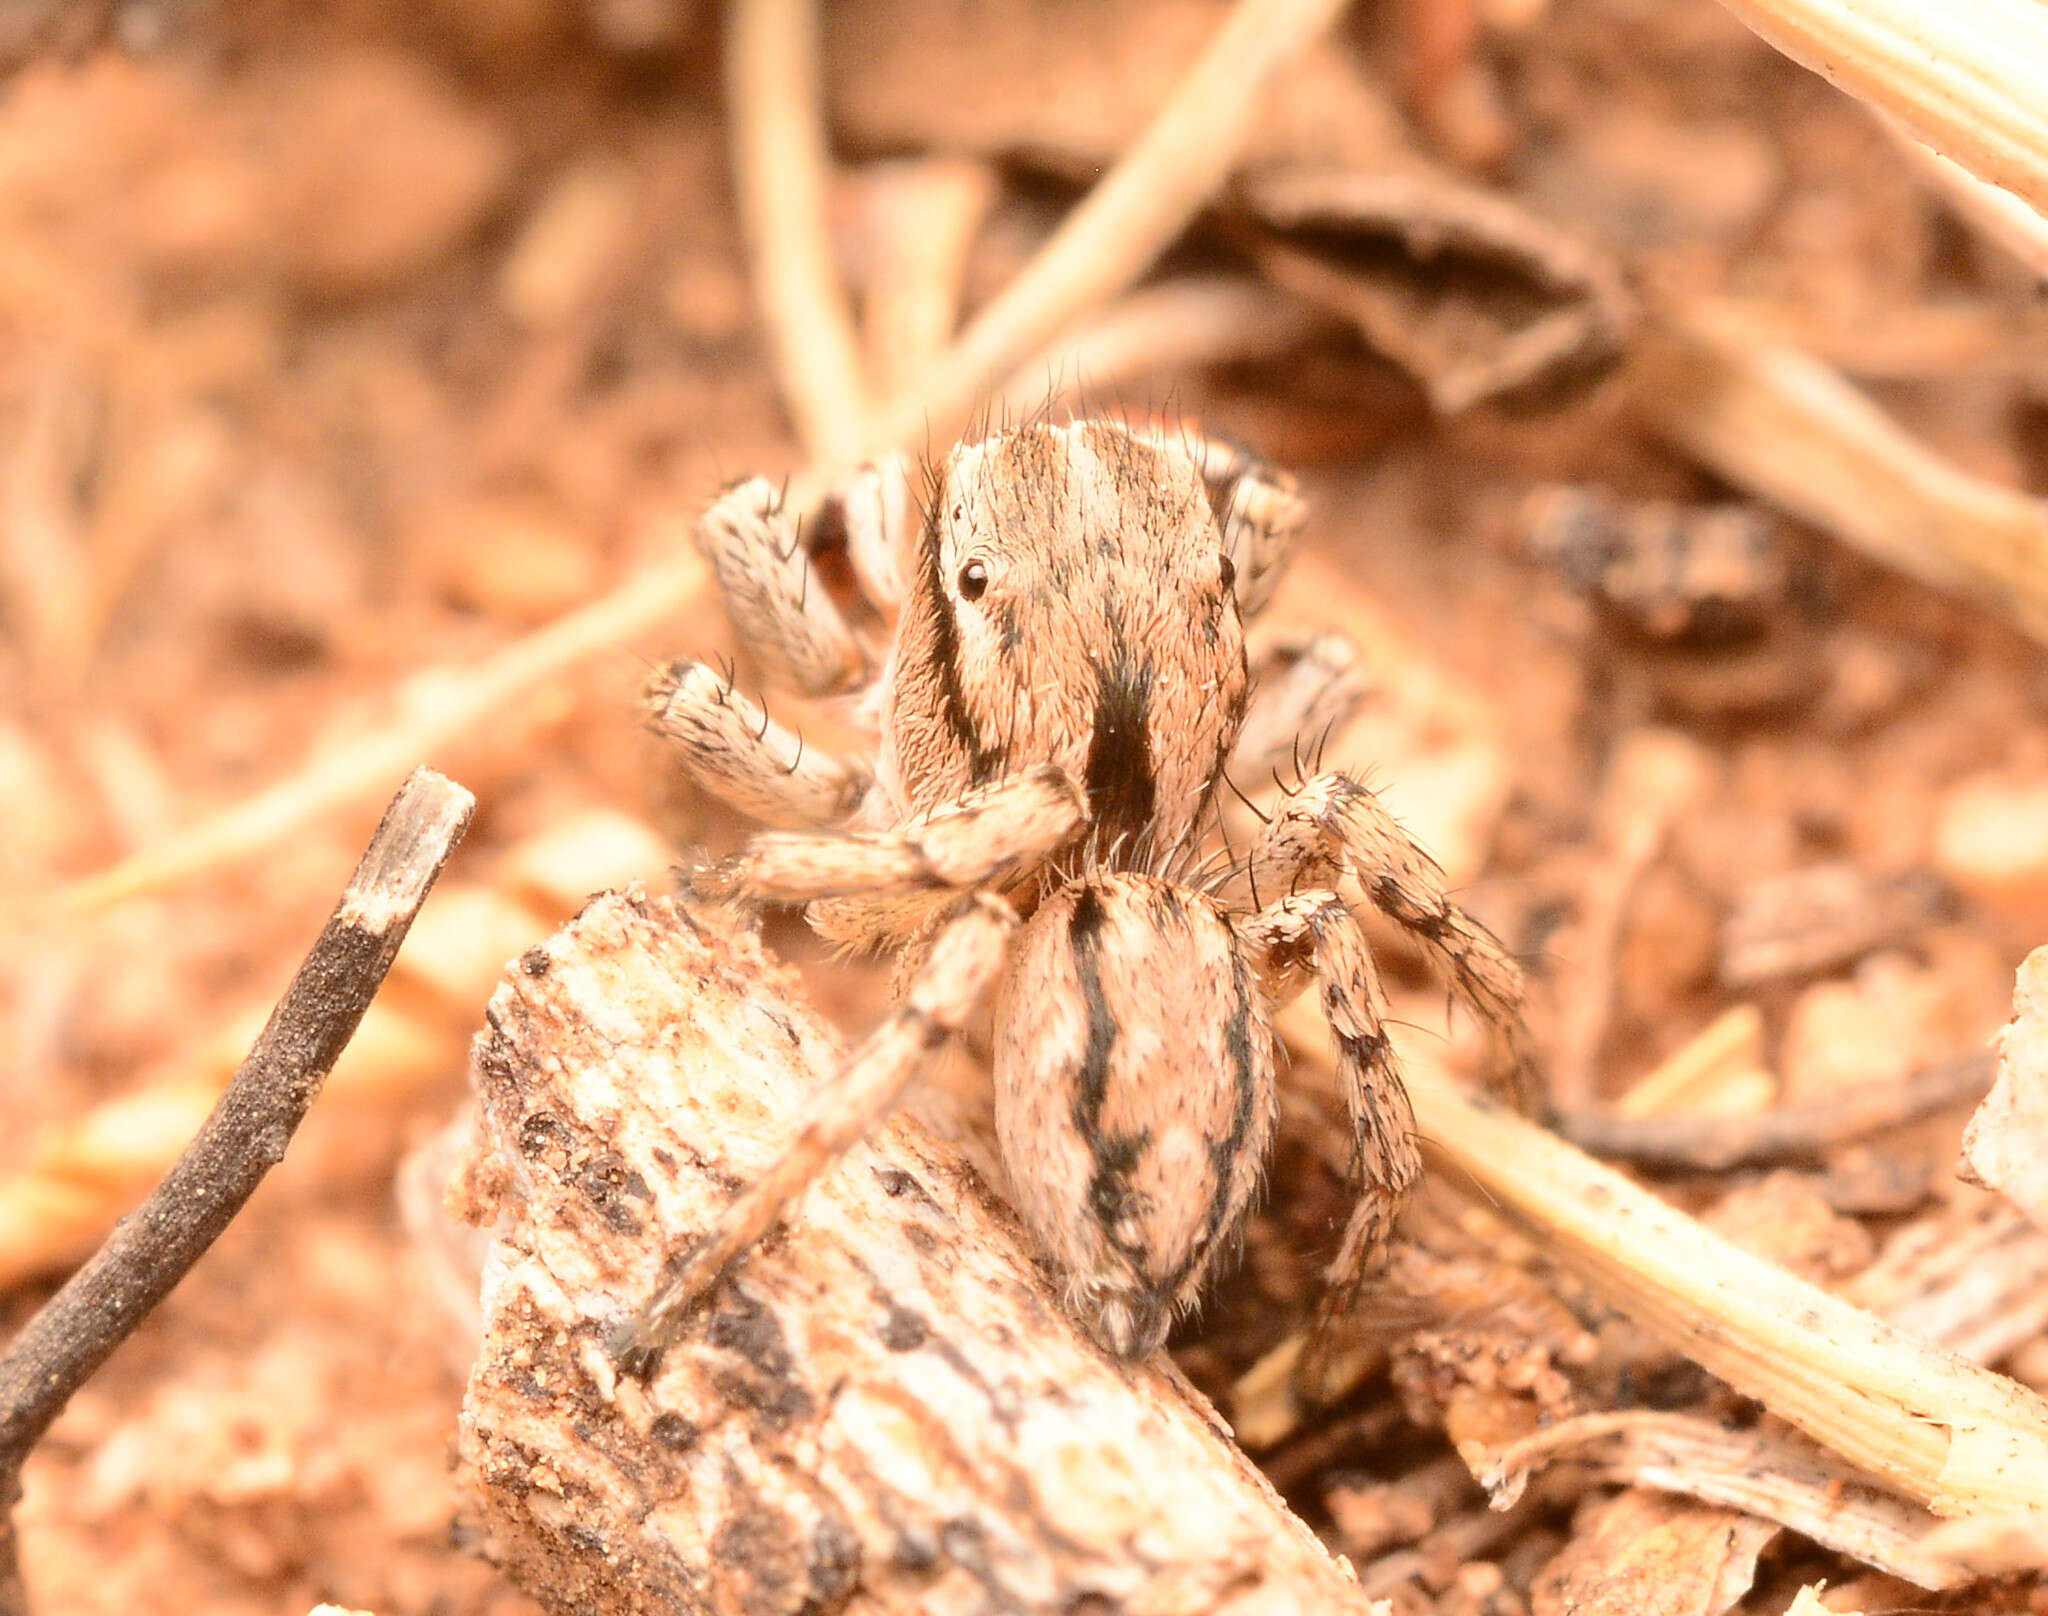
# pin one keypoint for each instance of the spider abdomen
(1134, 1096)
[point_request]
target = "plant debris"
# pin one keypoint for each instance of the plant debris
(1675, 439)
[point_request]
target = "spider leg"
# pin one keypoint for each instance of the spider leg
(1317, 932)
(880, 511)
(780, 608)
(1260, 514)
(965, 958)
(1333, 824)
(986, 836)
(732, 748)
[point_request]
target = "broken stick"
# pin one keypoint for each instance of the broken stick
(1798, 1133)
(244, 1137)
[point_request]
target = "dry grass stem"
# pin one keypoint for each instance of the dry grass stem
(1181, 325)
(1766, 1472)
(1971, 81)
(1798, 1133)
(1784, 426)
(1957, 1438)
(1934, 339)
(2012, 223)
(780, 173)
(922, 216)
(436, 710)
(1694, 1078)
(1121, 226)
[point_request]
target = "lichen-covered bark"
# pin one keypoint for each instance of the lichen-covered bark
(880, 1409)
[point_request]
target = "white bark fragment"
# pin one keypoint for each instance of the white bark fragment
(881, 1409)
(2006, 1145)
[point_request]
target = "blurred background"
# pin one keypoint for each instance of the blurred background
(349, 352)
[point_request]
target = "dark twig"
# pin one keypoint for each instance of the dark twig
(1799, 1133)
(151, 1250)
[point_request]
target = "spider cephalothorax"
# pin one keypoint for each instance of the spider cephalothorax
(1065, 689)
(1071, 604)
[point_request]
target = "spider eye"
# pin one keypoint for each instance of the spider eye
(1229, 575)
(973, 580)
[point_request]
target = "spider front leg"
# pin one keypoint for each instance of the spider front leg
(986, 836)
(780, 607)
(1333, 824)
(1317, 932)
(965, 958)
(734, 749)
(1260, 514)
(991, 833)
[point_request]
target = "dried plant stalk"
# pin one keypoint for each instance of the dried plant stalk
(921, 216)
(1182, 325)
(1787, 428)
(1958, 1438)
(1694, 1078)
(1971, 81)
(780, 171)
(881, 1409)
(436, 709)
(1768, 1472)
(1121, 226)
(2006, 219)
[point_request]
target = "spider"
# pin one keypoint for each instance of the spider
(1066, 688)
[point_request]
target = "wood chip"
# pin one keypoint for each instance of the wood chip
(1474, 297)
(1769, 1473)
(882, 1408)
(1823, 917)
(2006, 1146)
(1646, 1554)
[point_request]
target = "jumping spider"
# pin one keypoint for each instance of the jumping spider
(1066, 687)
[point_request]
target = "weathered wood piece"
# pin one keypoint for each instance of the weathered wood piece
(880, 1409)
(243, 1137)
